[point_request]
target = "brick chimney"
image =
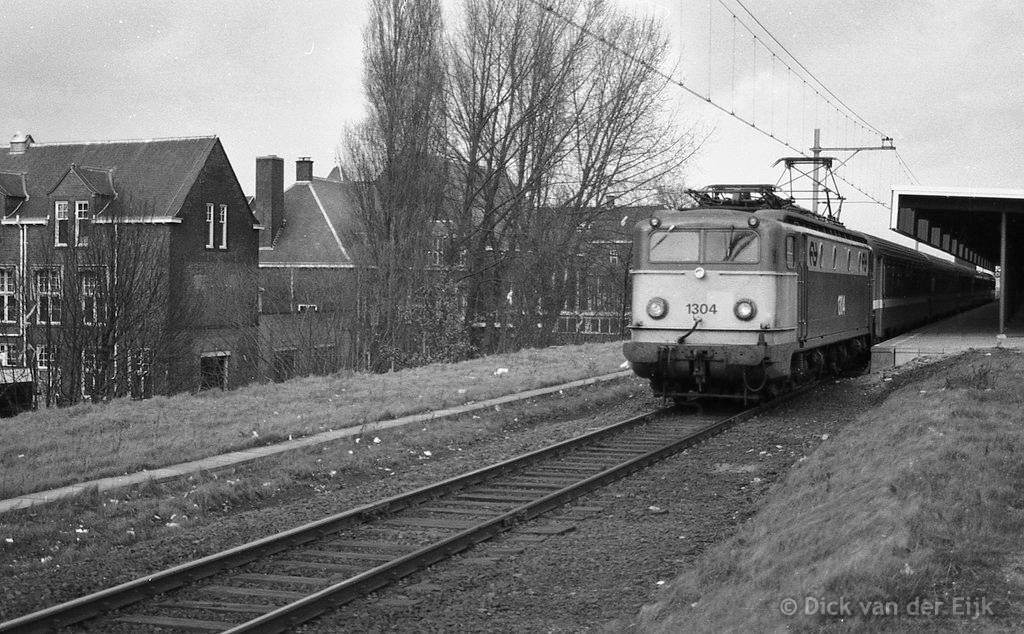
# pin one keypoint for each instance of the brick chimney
(269, 197)
(20, 143)
(304, 169)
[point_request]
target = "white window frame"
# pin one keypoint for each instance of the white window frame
(435, 252)
(88, 369)
(43, 356)
(60, 214)
(54, 295)
(210, 221)
(6, 358)
(302, 308)
(8, 295)
(81, 216)
(223, 226)
(94, 316)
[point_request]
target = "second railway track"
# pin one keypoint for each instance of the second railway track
(277, 582)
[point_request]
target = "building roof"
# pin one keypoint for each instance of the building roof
(319, 221)
(99, 181)
(155, 175)
(12, 184)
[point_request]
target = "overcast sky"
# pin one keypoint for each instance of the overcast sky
(943, 78)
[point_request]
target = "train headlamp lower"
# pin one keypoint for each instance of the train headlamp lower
(745, 309)
(657, 308)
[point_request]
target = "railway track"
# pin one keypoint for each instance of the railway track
(277, 582)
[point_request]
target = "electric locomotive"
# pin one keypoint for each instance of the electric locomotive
(745, 293)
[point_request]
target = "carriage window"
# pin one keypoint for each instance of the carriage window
(675, 246)
(849, 259)
(731, 246)
(791, 252)
(835, 250)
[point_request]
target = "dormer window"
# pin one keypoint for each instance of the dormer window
(82, 223)
(61, 224)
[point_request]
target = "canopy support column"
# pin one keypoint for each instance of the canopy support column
(1002, 276)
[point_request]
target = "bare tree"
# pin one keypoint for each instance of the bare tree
(496, 160)
(549, 125)
(100, 315)
(395, 156)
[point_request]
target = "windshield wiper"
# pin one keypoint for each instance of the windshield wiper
(736, 247)
(662, 239)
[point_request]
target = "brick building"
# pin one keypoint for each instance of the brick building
(308, 278)
(596, 304)
(125, 266)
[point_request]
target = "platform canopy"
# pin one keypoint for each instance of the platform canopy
(966, 223)
(979, 226)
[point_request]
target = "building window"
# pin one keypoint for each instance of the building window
(90, 383)
(435, 254)
(47, 288)
(613, 257)
(140, 366)
(61, 226)
(91, 296)
(10, 354)
(312, 308)
(223, 226)
(213, 370)
(82, 223)
(8, 297)
(44, 357)
(210, 222)
(284, 364)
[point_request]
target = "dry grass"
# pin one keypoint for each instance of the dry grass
(50, 448)
(299, 486)
(922, 499)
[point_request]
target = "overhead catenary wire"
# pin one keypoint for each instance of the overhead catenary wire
(731, 111)
(858, 121)
(660, 73)
(805, 69)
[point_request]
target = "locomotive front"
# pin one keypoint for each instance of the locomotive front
(713, 306)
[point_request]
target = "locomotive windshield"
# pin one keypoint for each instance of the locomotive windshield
(708, 245)
(730, 246)
(675, 246)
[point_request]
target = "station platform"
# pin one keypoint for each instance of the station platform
(976, 328)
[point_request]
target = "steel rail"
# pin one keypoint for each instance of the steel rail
(290, 615)
(300, 611)
(130, 592)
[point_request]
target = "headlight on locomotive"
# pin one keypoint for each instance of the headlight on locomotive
(745, 309)
(657, 308)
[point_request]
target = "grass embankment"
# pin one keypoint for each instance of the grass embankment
(50, 448)
(913, 514)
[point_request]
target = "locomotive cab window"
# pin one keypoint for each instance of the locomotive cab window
(791, 252)
(675, 246)
(731, 246)
(707, 245)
